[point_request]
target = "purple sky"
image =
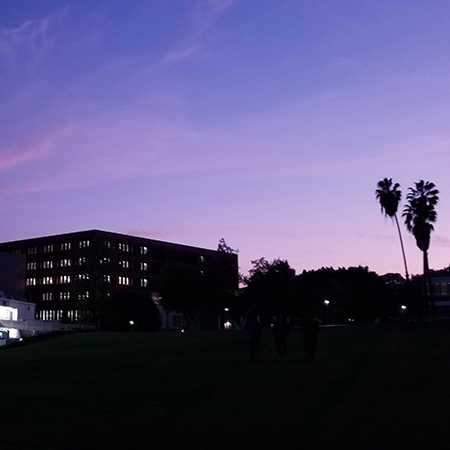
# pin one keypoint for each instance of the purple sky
(268, 123)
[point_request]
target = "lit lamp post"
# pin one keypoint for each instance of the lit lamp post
(327, 303)
(227, 324)
(403, 311)
(131, 325)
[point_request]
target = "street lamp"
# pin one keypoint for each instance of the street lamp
(227, 324)
(131, 325)
(327, 302)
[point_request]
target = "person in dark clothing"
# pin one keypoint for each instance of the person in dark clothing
(281, 331)
(254, 331)
(310, 329)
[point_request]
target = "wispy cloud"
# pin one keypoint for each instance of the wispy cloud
(34, 149)
(179, 55)
(441, 241)
(29, 41)
(205, 15)
(207, 12)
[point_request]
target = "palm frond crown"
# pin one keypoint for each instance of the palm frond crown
(420, 212)
(389, 196)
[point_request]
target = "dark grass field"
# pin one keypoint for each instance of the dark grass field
(371, 387)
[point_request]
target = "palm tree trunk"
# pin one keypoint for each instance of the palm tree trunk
(429, 294)
(403, 248)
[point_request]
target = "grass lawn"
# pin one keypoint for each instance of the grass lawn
(371, 387)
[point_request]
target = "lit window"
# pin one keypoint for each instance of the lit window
(65, 263)
(66, 246)
(105, 260)
(32, 251)
(48, 248)
(83, 244)
(144, 266)
(107, 278)
(47, 296)
(83, 296)
(144, 282)
(47, 264)
(144, 250)
(124, 281)
(31, 266)
(47, 280)
(31, 281)
(124, 247)
(64, 295)
(64, 279)
(83, 276)
(107, 244)
(124, 264)
(81, 261)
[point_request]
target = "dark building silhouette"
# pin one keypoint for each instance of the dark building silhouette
(12, 274)
(67, 275)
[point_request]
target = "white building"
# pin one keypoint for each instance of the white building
(17, 320)
(13, 312)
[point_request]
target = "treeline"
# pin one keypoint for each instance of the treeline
(343, 295)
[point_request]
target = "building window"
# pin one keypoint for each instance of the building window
(47, 296)
(83, 244)
(124, 264)
(144, 282)
(66, 262)
(105, 260)
(83, 276)
(31, 266)
(64, 279)
(144, 250)
(47, 265)
(144, 266)
(48, 248)
(66, 246)
(107, 278)
(107, 244)
(81, 260)
(64, 295)
(47, 280)
(32, 251)
(31, 281)
(83, 296)
(125, 281)
(124, 247)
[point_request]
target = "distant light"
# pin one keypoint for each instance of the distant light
(131, 322)
(227, 325)
(403, 307)
(327, 302)
(226, 309)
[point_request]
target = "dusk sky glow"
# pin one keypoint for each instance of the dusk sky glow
(268, 123)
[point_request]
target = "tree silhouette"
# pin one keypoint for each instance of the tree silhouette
(420, 214)
(389, 197)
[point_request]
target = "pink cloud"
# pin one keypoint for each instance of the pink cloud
(34, 149)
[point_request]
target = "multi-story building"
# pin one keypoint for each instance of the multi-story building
(68, 273)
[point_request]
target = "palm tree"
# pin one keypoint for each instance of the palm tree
(389, 197)
(420, 214)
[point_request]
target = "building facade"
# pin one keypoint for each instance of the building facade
(12, 274)
(441, 296)
(67, 275)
